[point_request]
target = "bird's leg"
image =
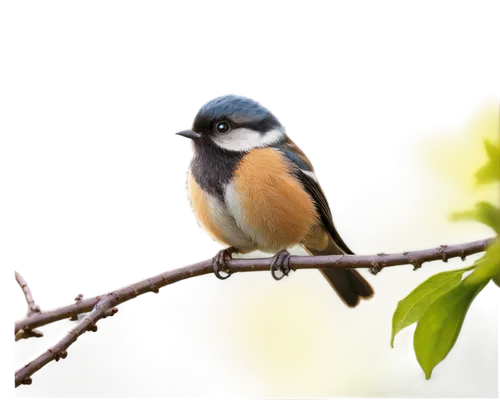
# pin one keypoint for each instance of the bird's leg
(280, 262)
(219, 262)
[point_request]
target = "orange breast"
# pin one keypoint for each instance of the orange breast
(269, 203)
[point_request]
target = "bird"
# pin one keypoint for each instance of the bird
(252, 188)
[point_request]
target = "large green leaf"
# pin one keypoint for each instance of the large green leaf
(488, 266)
(410, 309)
(440, 315)
(484, 212)
(490, 172)
(438, 329)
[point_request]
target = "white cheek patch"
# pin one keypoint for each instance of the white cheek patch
(243, 139)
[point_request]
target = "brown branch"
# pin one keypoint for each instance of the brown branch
(104, 305)
(104, 308)
(31, 306)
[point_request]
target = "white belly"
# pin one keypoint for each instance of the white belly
(228, 226)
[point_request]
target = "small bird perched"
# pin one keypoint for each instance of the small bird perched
(252, 188)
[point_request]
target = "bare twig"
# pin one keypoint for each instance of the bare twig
(101, 310)
(104, 305)
(31, 306)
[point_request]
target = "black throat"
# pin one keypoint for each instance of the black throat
(213, 167)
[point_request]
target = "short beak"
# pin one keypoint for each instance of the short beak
(189, 134)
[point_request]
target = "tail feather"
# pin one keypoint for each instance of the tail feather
(348, 283)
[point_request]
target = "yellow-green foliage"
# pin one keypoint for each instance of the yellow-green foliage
(439, 305)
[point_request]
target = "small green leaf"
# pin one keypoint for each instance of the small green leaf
(438, 330)
(490, 172)
(410, 309)
(492, 150)
(484, 212)
(488, 266)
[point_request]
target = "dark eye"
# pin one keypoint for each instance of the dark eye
(222, 127)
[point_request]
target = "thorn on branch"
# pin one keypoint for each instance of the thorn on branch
(34, 309)
(110, 312)
(58, 354)
(27, 381)
(462, 255)
(78, 296)
(441, 252)
(35, 333)
(61, 356)
(376, 268)
(154, 289)
(405, 253)
(416, 264)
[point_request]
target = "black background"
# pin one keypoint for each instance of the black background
(92, 179)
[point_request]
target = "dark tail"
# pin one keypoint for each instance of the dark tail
(348, 283)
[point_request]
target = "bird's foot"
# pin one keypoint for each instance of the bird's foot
(281, 263)
(219, 262)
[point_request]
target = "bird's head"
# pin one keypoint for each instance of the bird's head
(235, 123)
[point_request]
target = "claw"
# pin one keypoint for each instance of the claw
(280, 262)
(219, 262)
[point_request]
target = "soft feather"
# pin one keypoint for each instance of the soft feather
(324, 238)
(268, 202)
(214, 217)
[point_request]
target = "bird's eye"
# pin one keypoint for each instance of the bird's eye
(222, 127)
